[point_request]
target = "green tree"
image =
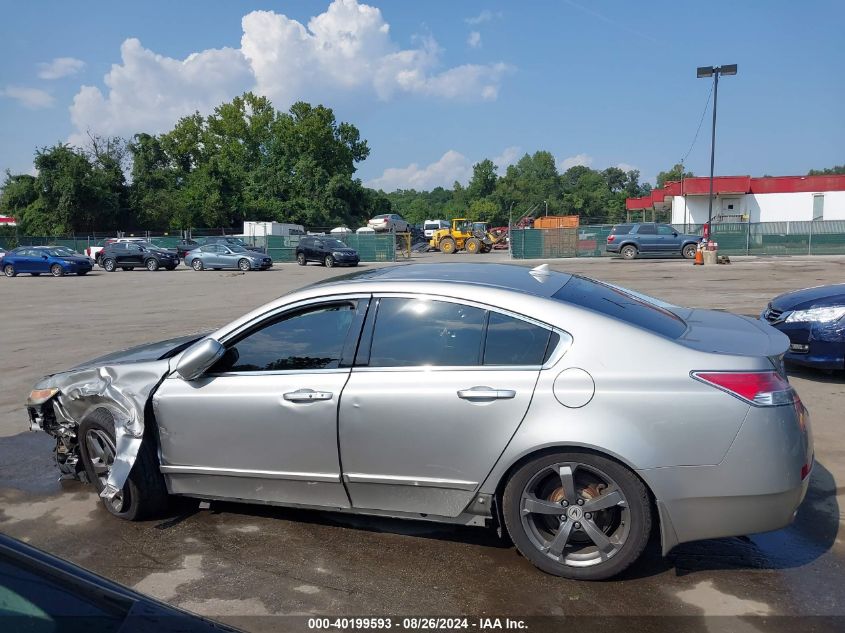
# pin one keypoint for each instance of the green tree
(676, 173)
(829, 171)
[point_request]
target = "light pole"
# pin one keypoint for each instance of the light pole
(713, 71)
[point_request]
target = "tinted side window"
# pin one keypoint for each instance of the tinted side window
(621, 229)
(646, 229)
(665, 229)
(414, 332)
(514, 342)
(615, 303)
(310, 339)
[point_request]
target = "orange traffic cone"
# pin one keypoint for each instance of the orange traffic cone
(699, 258)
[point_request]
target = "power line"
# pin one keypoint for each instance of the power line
(700, 121)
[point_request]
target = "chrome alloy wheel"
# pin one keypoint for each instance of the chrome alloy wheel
(575, 514)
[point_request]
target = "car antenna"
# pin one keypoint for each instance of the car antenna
(540, 273)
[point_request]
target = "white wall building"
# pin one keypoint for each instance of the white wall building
(747, 199)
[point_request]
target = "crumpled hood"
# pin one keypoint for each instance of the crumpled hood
(818, 297)
(145, 352)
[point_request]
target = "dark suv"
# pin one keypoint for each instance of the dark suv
(630, 240)
(326, 250)
(129, 255)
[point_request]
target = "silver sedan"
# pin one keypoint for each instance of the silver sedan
(575, 415)
(219, 256)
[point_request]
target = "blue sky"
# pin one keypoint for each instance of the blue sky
(436, 86)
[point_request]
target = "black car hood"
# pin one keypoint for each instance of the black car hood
(819, 297)
(146, 352)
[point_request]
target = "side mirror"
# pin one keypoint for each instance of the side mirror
(44, 257)
(198, 359)
(675, 233)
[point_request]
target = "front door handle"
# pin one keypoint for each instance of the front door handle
(307, 395)
(486, 393)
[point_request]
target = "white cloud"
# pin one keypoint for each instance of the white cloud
(444, 172)
(474, 39)
(60, 67)
(626, 167)
(572, 161)
(508, 157)
(485, 16)
(345, 51)
(32, 98)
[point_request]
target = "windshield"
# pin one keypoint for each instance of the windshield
(61, 251)
(619, 304)
(237, 249)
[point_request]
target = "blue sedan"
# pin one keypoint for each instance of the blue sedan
(50, 260)
(814, 321)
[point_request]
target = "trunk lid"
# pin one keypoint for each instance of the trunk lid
(716, 332)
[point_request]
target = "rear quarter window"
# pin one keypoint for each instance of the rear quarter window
(621, 229)
(620, 305)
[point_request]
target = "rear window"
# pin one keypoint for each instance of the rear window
(621, 229)
(617, 304)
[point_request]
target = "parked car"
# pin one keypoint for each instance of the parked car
(219, 256)
(228, 240)
(131, 255)
(42, 592)
(814, 321)
(2, 255)
(183, 247)
(458, 393)
(630, 240)
(365, 230)
(95, 251)
(388, 222)
(430, 227)
(326, 250)
(53, 260)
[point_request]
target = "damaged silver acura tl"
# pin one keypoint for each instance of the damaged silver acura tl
(574, 414)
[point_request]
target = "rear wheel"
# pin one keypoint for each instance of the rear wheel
(151, 264)
(447, 245)
(57, 271)
(329, 261)
(9, 270)
(196, 264)
(244, 265)
(628, 251)
(144, 494)
(577, 515)
(689, 250)
(301, 260)
(109, 265)
(473, 245)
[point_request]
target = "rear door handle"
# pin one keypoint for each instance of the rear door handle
(307, 395)
(486, 393)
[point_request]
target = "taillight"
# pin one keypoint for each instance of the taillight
(610, 238)
(760, 388)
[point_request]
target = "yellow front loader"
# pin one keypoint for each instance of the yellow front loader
(463, 236)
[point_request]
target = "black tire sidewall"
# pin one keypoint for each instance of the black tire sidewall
(629, 249)
(301, 259)
(106, 265)
(241, 265)
(638, 503)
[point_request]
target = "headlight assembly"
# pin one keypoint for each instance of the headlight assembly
(40, 396)
(818, 315)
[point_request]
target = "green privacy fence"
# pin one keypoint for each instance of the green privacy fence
(371, 247)
(765, 238)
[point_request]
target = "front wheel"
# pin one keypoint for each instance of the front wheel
(9, 270)
(144, 494)
(301, 260)
(109, 265)
(329, 261)
(57, 271)
(628, 252)
(151, 264)
(689, 251)
(244, 265)
(578, 515)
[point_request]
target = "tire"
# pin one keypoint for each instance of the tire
(197, 264)
(170, 267)
(629, 251)
(151, 264)
(448, 246)
(109, 265)
(144, 495)
(473, 245)
(244, 265)
(301, 260)
(622, 528)
(329, 261)
(57, 271)
(9, 270)
(688, 251)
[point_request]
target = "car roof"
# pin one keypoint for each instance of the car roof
(540, 282)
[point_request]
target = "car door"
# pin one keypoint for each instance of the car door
(438, 389)
(133, 254)
(262, 423)
(25, 261)
(647, 238)
(667, 239)
(225, 257)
